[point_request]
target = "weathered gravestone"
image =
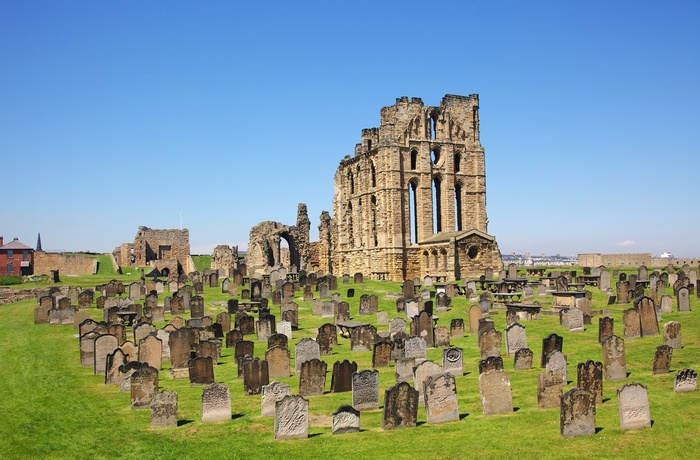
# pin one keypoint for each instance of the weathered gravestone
(345, 420)
(552, 342)
(683, 299)
(255, 376)
(495, 393)
(686, 380)
(633, 404)
(614, 361)
(365, 389)
(556, 361)
(306, 350)
(647, 317)
(362, 338)
(575, 320)
(441, 337)
(341, 379)
(420, 373)
(312, 377)
(164, 410)
(632, 323)
(474, 317)
(381, 354)
(490, 344)
(492, 363)
(549, 386)
(292, 418)
(605, 328)
(662, 359)
(271, 394)
(590, 377)
(403, 369)
(516, 338)
(396, 325)
(414, 347)
(151, 351)
(440, 393)
(400, 407)
(232, 337)
(144, 387)
(523, 359)
(577, 413)
(457, 327)
(453, 361)
(104, 345)
(672, 334)
(201, 370)
(278, 359)
(216, 403)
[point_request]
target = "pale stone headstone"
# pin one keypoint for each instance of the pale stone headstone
(403, 369)
(575, 320)
(549, 386)
(672, 334)
(216, 403)
(686, 380)
(683, 299)
(306, 350)
(490, 343)
(420, 373)
(474, 317)
(614, 361)
(414, 347)
(292, 418)
(453, 361)
(633, 404)
(271, 393)
(632, 323)
(516, 338)
(440, 393)
(557, 362)
(104, 345)
(341, 379)
(151, 351)
(495, 392)
(345, 420)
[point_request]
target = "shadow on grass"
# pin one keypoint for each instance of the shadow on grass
(184, 422)
(652, 424)
(598, 429)
(235, 416)
(313, 435)
(463, 416)
(516, 409)
(606, 400)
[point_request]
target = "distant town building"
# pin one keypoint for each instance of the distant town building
(16, 258)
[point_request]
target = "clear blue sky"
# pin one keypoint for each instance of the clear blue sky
(120, 114)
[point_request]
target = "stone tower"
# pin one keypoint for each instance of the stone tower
(411, 201)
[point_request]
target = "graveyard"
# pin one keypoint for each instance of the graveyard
(386, 379)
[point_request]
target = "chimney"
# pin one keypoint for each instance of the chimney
(1, 243)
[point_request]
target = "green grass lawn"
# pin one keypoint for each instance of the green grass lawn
(53, 408)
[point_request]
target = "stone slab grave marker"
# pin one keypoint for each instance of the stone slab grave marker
(216, 403)
(201, 370)
(292, 418)
(683, 299)
(577, 413)
(523, 359)
(490, 343)
(605, 328)
(396, 325)
(549, 386)
(474, 317)
(686, 380)
(552, 342)
(516, 338)
(144, 387)
(490, 364)
(151, 351)
(412, 308)
(457, 327)
(278, 359)
(164, 410)
(312, 377)
(633, 404)
(271, 393)
(414, 347)
(104, 345)
(672, 334)
(662, 359)
(362, 338)
(575, 320)
(420, 373)
(453, 361)
(345, 420)
(647, 317)
(495, 393)
(403, 369)
(306, 350)
(381, 354)
(590, 377)
(441, 336)
(365, 389)
(632, 323)
(255, 375)
(400, 407)
(556, 361)
(440, 393)
(614, 361)
(341, 379)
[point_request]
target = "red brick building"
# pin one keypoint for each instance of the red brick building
(16, 258)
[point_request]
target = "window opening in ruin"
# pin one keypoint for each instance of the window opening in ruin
(444, 260)
(473, 252)
(433, 125)
(458, 158)
(374, 221)
(414, 159)
(427, 259)
(435, 155)
(412, 211)
(351, 238)
(435, 258)
(458, 207)
(351, 179)
(374, 174)
(369, 144)
(437, 208)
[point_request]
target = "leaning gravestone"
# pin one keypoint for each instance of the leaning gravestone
(614, 362)
(577, 413)
(494, 389)
(590, 377)
(271, 393)
(633, 404)
(662, 359)
(164, 410)
(345, 420)
(365, 389)
(292, 418)
(216, 403)
(672, 334)
(440, 393)
(549, 386)
(400, 407)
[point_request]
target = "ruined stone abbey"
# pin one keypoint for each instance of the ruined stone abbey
(410, 202)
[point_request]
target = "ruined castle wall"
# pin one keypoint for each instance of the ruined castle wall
(69, 265)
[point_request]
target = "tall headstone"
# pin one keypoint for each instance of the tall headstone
(633, 404)
(614, 361)
(494, 389)
(577, 413)
(271, 393)
(440, 393)
(672, 334)
(365, 389)
(400, 407)
(549, 386)
(216, 403)
(662, 359)
(292, 418)
(164, 410)
(590, 377)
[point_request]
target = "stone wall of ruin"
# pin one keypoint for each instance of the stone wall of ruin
(225, 257)
(69, 265)
(614, 260)
(154, 244)
(418, 153)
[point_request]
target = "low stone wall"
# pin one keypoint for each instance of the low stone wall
(69, 265)
(8, 295)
